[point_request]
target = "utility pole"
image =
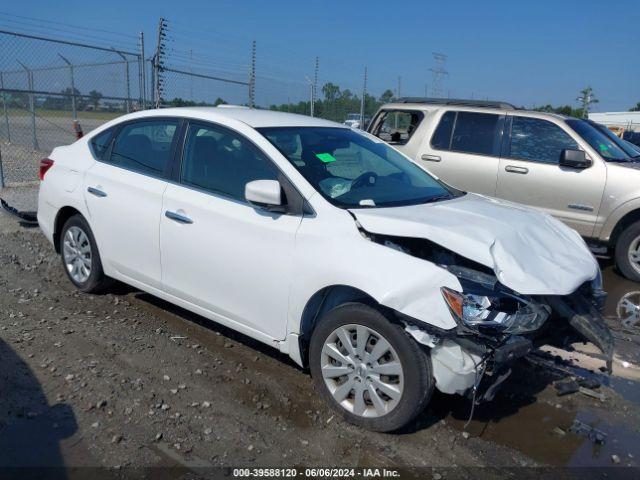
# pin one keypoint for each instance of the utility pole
(73, 88)
(311, 95)
(315, 84)
(158, 64)
(439, 72)
(143, 74)
(364, 94)
(252, 76)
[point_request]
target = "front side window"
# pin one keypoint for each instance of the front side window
(538, 140)
(354, 170)
(476, 133)
(222, 162)
(144, 146)
(397, 126)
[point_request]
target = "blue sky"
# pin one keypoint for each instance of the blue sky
(528, 53)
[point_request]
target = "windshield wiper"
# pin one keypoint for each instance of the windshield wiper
(437, 198)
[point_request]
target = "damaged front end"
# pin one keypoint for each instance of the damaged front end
(495, 325)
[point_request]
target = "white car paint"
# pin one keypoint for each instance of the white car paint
(520, 244)
(256, 272)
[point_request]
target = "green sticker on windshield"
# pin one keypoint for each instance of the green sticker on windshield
(326, 157)
(603, 147)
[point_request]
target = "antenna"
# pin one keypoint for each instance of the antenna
(438, 72)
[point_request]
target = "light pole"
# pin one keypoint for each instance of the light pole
(312, 93)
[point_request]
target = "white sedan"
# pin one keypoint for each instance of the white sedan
(324, 243)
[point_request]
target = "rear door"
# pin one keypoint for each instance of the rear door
(464, 150)
(530, 173)
(123, 192)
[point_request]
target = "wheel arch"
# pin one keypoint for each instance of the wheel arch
(628, 219)
(321, 302)
(64, 214)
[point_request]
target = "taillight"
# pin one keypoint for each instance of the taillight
(45, 165)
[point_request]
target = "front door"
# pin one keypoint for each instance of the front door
(530, 173)
(218, 252)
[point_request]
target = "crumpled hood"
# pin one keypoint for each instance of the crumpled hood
(529, 251)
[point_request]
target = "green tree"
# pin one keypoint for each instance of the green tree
(636, 108)
(386, 96)
(586, 99)
(94, 98)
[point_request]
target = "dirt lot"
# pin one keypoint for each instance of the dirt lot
(126, 380)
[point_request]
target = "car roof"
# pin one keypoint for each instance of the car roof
(253, 117)
(469, 108)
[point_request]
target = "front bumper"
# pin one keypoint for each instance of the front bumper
(467, 363)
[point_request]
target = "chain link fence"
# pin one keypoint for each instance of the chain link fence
(46, 84)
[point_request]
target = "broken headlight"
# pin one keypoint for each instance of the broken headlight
(507, 314)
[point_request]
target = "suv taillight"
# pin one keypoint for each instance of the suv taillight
(45, 165)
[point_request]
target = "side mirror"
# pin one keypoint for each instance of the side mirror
(574, 159)
(265, 194)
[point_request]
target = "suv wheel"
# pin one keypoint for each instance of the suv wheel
(627, 252)
(80, 256)
(368, 369)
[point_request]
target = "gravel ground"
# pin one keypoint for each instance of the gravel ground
(127, 380)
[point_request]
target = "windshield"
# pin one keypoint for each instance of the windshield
(629, 150)
(352, 170)
(599, 141)
(353, 116)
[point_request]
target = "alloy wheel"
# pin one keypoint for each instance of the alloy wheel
(362, 371)
(76, 251)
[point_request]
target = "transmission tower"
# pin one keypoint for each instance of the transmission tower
(438, 72)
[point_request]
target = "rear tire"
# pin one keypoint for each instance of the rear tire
(80, 256)
(381, 389)
(627, 252)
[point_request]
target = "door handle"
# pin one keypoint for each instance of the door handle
(513, 169)
(97, 192)
(431, 158)
(177, 217)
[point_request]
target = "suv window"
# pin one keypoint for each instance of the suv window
(538, 140)
(220, 161)
(144, 146)
(100, 143)
(441, 139)
(475, 133)
(397, 126)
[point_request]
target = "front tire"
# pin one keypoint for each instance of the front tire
(80, 256)
(627, 252)
(368, 369)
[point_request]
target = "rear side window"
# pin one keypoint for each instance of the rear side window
(441, 139)
(223, 162)
(538, 140)
(100, 143)
(475, 133)
(397, 126)
(145, 146)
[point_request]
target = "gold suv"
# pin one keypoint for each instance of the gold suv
(574, 169)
